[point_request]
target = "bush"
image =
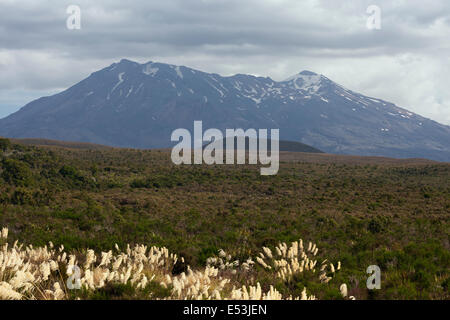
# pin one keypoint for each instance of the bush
(22, 196)
(76, 178)
(446, 284)
(5, 144)
(374, 226)
(16, 172)
(69, 172)
(153, 182)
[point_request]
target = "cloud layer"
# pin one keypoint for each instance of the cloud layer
(406, 62)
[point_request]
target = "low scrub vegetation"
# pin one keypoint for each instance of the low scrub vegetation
(394, 214)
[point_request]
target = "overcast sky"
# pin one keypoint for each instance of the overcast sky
(406, 62)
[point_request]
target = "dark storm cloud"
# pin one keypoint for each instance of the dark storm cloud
(265, 37)
(269, 26)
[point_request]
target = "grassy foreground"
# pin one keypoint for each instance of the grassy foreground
(141, 272)
(359, 211)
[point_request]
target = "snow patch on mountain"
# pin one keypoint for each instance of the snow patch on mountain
(306, 81)
(119, 82)
(150, 70)
(178, 71)
(129, 92)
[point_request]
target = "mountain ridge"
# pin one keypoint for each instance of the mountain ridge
(129, 104)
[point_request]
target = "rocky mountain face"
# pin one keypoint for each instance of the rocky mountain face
(139, 105)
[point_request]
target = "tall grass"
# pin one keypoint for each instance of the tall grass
(50, 273)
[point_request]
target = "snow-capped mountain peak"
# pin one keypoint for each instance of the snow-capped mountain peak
(306, 81)
(138, 105)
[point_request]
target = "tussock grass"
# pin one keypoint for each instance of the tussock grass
(140, 272)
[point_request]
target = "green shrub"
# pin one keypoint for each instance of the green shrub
(75, 177)
(16, 172)
(153, 182)
(5, 144)
(22, 196)
(446, 284)
(69, 172)
(374, 226)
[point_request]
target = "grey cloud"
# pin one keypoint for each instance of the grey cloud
(267, 37)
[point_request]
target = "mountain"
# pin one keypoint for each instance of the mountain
(139, 105)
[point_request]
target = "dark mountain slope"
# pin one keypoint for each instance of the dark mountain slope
(139, 105)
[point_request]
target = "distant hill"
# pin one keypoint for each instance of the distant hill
(288, 146)
(289, 151)
(57, 143)
(129, 104)
(293, 146)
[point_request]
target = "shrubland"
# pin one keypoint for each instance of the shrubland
(394, 214)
